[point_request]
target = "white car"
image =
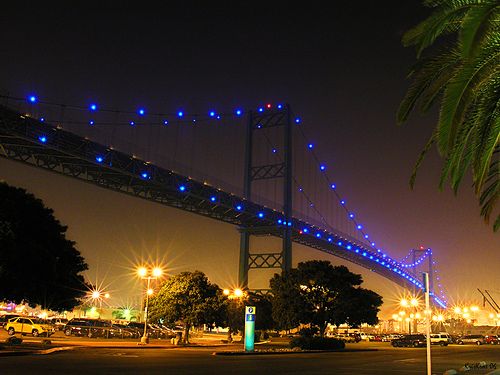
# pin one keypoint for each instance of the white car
(442, 339)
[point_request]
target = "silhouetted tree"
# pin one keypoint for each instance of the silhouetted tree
(189, 297)
(318, 293)
(38, 264)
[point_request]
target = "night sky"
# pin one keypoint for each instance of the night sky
(340, 64)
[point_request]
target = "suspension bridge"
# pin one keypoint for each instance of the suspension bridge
(185, 160)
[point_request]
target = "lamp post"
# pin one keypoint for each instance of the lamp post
(148, 275)
(236, 297)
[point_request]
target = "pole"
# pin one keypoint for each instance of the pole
(428, 321)
(144, 338)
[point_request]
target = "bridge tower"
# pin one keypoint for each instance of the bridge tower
(259, 122)
(417, 254)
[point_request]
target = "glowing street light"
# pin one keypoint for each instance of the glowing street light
(237, 295)
(98, 295)
(148, 275)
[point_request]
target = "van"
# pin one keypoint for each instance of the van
(442, 339)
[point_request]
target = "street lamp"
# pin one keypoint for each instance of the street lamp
(236, 297)
(148, 275)
(98, 295)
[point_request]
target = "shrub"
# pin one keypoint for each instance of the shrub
(316, 343)
(260, 335)
(309, 332)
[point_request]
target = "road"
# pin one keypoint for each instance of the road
(162, 358)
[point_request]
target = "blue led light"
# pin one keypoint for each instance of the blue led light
(261, 215)
(351, 215)
(274, 151)
(297, 120)
(213, 199)
(145, 175)
(99, 159)
(279, 221)
(305, 230)
(322, 167)
(42, 119)
(279, 106)
(42, 139)
(342, 202)
(180, 114)
(310, 145)
(318, 235)
(91, 122)
(238, 112)
(132, 123)
(359, 227)
(182, 188)
(238, 208)
(165, 122)
(93, 106)
(141, 111)
(212, 114)
(32, 98)
(333, 186)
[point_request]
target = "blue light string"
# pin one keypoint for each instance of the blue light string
(93, 107)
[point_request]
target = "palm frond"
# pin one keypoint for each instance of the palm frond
(459, 94)
(446, 19)
(432, 74)
(477, 26)
(420, 159)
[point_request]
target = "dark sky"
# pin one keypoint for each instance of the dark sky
(341, 66)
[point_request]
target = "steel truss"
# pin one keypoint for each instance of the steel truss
(73, 156)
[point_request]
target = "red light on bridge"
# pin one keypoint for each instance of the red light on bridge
(269, 106)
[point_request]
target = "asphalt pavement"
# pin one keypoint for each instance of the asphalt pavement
(58, 342)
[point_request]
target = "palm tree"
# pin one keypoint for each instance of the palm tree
(462, 74)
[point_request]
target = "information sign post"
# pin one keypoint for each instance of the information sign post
(249, 328)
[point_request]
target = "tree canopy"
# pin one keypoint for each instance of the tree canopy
(38, 264)
(189, 297)
(236, 311)
(318, 293)
(461, 75)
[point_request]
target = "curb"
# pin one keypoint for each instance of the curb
(290, 351)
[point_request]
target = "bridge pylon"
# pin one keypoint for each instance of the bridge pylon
(259, 122)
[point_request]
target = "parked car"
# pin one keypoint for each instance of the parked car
(442, 339)
(152, 332)
(390, 337)
(127, 332)
(471, 339)
(366, 337)
(59, 323)
(4, 319)
(491, 339)
(415, 340)
(77, 327)
(346, 337)
(33, 326)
